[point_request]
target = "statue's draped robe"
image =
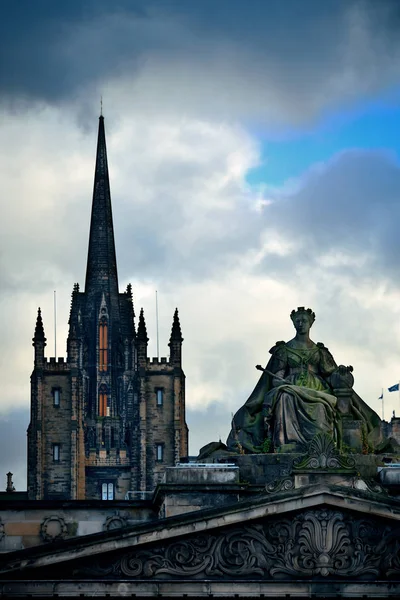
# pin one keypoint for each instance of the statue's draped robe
(291, 414)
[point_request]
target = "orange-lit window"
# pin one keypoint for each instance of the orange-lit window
(103, 401)
(102, 405)
(103, 345)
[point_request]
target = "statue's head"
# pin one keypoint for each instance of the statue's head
(302, 319)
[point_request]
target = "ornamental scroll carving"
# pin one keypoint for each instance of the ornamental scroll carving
(323, 455)
(317, 543)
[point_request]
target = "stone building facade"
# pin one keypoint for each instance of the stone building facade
(107, 421)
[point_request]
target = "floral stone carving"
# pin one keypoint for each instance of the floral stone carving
(314, 544)
(323, 455)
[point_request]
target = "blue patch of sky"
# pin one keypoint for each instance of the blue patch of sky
(371, 126)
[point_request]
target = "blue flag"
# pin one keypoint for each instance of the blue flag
(394, 388)
(381, 397)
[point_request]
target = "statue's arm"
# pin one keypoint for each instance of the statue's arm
(279, 379)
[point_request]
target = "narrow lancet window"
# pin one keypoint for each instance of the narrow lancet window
(103, 401)
(103, 345)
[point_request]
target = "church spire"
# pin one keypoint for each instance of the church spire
(101, 271)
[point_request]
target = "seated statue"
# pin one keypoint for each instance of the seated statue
(301, 392)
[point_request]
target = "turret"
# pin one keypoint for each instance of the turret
(142, 340)
(75, 329)
(131, 307)
(39, 342)
(175, 341)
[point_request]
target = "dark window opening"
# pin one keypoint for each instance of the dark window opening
(160, 396)
(56, 452)
(56, 396)
(159, 452)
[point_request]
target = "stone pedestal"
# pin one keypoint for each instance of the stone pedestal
(352, 435)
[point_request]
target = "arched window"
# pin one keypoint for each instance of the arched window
(103, 345)
(103, 393)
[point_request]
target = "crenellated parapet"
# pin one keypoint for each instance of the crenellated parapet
(54, 365)
(161, 363)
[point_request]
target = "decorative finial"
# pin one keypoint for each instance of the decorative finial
(176, 333)
(142, 331)
(10, 486)
(39, 330)
(101, 106)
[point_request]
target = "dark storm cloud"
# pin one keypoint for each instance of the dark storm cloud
(350, 206)
(36, 60)
(288, 53)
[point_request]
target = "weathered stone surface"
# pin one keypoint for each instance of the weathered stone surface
(352, 435)
(196, 474)
(294, 400)
(319, 540)
(37, 522)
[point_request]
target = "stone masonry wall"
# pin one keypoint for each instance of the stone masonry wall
(56, 429)
(27, 524)
(160, 420)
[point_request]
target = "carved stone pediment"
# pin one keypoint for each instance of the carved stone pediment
(317, 534)
(312, 544)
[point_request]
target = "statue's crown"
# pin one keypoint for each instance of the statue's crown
(302, 310)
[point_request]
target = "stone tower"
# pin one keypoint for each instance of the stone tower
(105, 423)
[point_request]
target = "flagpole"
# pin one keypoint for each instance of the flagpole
(55, 325)
(158, 344)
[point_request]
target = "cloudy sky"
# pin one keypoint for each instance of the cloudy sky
(254, 160)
